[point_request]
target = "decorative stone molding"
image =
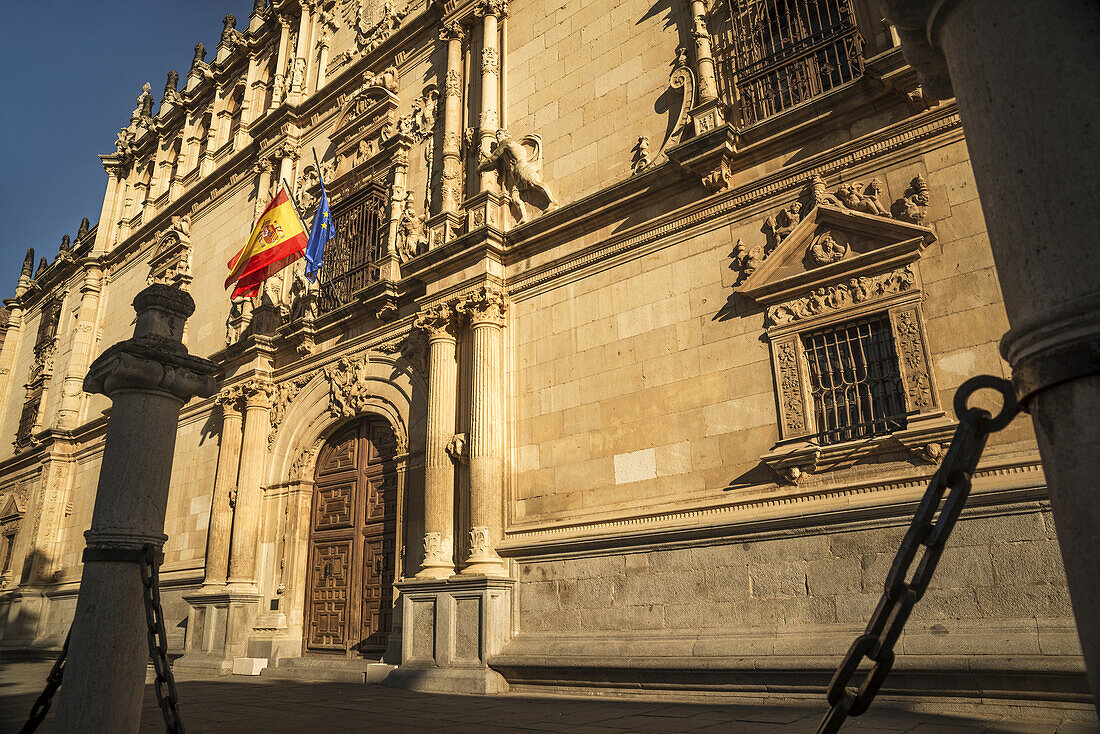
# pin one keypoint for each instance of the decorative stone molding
(413, 348)
(490, 60)
(458, 449)
(412, 235)
(479, 542)
(910, 344)
(914, 204)
(348, 391)
(789, 370)
(499, 8)
(229, 399)
(436, 553)
(283, 396)
(640, 160)
(420, 123)
(374, 22)
(840, 296)
(683, 78)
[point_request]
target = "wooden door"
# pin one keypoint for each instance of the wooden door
(349, 594)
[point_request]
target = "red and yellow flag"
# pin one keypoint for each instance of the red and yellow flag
(277, 240)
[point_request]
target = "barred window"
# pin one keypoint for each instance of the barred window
(855, 382)
(775, 54)
(351, 257)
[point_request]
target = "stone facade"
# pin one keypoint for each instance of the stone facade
(589, 294)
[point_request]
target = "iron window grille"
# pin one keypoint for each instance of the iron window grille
(854, 380)
(351, 257)
(775, 54)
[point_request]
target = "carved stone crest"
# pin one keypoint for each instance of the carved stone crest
(348, 386)
(171, 261)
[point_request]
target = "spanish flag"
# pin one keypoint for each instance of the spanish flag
(277, 240)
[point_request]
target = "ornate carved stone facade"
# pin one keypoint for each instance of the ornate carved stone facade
(570, 381)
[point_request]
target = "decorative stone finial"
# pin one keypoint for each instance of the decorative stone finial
(229, 24)
(200, 55)
(28, 264)
(65, 244)
(42, 264)
(259, 6)
(82, 233)
(146, 100)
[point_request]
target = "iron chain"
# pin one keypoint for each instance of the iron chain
(929, 530)
(158, 640)
(53, 682)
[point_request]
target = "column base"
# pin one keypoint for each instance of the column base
(436, 572)
(218, 626)
(486, 566)
(450, 628)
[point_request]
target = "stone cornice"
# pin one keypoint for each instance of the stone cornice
(998, 481)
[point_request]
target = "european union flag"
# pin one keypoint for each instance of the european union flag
(321, 232)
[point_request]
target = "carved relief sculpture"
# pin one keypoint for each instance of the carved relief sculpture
(912, 206)
(825, 250)
(348, 391)
(841, 295)
(641, 155)
(914, 364)
(790, 387)
(516, 163)
(412, 236)
(863, 199)
(171, 261)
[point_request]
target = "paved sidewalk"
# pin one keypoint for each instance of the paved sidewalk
(239, 704)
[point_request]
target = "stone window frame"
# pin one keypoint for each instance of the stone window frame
(831, 267)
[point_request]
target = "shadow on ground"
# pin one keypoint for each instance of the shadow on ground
(263, 705)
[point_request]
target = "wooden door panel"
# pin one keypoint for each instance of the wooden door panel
(330, 579)
(340, 455)
(333, 506)
(377, 592)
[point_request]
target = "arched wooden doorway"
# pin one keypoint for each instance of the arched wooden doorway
(349, 593)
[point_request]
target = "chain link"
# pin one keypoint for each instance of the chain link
(53, 682)
(158, 640)
(929, 530)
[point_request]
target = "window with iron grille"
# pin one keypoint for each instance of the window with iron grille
(775, 54)
(855, 382)
(351, 257)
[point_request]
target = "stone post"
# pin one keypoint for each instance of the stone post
(148, 379)
(1035, 165)
(451, 184)
(225, 486)
(489, 11)
(439, 474)
(246, 508)
(72, 398)
(486, 311)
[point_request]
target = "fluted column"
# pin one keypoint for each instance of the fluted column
(148, 379)
(225, 487)
(1010, 65)
(704, 61)
(451, 184)
(439, 474)
(489, 11)
(72, 394)
(298, 71)
(246, 509)
(486, 311)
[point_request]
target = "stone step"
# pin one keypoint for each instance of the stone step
(329, 669)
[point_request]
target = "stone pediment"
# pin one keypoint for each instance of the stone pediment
(365, 123)
(829, 245)
(12, 508)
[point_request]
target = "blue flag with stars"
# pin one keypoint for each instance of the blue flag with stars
(320, 234)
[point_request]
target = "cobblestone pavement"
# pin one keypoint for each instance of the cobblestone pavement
(238, 704)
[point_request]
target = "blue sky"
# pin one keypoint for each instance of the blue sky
(70, 74)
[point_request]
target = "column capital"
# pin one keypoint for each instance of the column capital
(497, 8)
(916, 21)
(452, 31)
(486, 305)
(229, 400)
(439, 321)
(257, 393)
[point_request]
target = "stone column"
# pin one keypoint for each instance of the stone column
(439, 473)
(323, 44)
(148, 379)
(252, 102)
(264, 168)
(489, 11)
(298, 72)
(225, 488)
(287, 153)
(1011, 66)
(279, 84)
(110, 196)
(704, 62)
(72, 397)
(206, 165)
(13, 338)
(486, 310)
(246, 508)
(451, 184)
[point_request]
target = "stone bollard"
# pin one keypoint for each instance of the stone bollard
(148, 379)
(1010, 65)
